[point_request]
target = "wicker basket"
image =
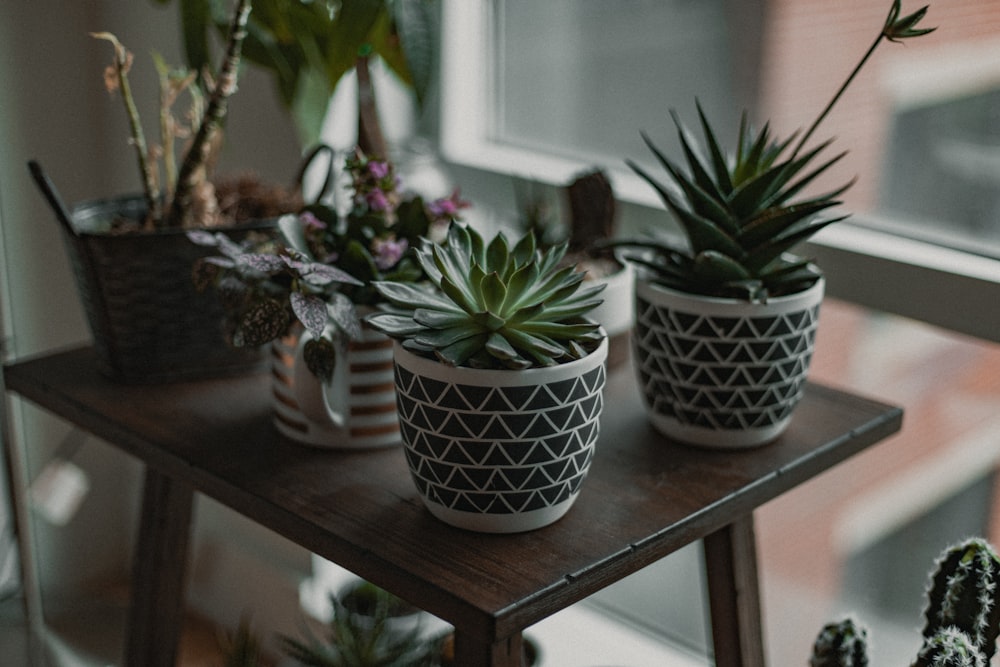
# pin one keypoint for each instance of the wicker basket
(148, 321)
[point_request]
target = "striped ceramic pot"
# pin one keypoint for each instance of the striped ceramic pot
(499, 451)
(719, 372)
(356, 409)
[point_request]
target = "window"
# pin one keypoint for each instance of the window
(545, 90)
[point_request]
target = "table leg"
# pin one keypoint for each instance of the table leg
(472, 653)
(153, 628)
(734, 595)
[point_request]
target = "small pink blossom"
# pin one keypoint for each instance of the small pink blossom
(388, 251)
(377, 201)
(447, 207)
(378, 169)
(310, 220)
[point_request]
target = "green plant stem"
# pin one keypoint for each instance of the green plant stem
(840, 92)
(167, 138)
(371, 140)
(225, 86)
(150, 188)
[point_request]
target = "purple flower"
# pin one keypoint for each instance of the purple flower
(388, 251)
(377, 201)
(310, 220)
(447, 207)
(441, 208)
(378, 169)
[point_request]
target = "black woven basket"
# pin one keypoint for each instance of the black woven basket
(148, 321)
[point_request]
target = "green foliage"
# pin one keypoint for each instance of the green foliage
(493, 306)
(370, 640)
(308, 45)
(738, 217)
(323, 265)
(264, 286)
(186, 199)
(243, 648)
(742, 214)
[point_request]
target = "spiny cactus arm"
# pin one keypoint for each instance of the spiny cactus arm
(841, 644)
(118, 78)
(949, 647)
(225, 86)
(964, 593)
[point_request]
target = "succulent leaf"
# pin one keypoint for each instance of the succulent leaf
(493, 307)
(719, 165)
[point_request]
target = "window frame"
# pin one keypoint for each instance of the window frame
(942, 286)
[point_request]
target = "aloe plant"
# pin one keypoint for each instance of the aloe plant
(493, 305)
(741, 214)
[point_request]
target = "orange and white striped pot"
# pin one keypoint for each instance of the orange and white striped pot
(356, 409)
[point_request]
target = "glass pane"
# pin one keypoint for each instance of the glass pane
(920, 123)
(942, 173)
(582, 78)
(862, 538)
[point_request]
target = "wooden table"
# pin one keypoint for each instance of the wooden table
(644, 499)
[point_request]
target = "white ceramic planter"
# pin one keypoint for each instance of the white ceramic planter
(499, 451)
(722, 373)
(615, 313)
(355, 410)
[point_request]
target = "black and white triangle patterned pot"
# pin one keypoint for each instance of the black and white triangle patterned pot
(499, 451)
(722, 373)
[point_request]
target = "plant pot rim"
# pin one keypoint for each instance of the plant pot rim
(138, 202)
(646, 286)
(500, 377)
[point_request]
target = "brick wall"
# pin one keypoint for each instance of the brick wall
(812, 45)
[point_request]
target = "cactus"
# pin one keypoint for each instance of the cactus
(949, 647)
(963, 593)
(961, 620)
(843, 644)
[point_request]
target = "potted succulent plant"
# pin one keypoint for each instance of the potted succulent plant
(499, 379)
(130, 254)
(306, 291)
(371, 627)
(725, 323)
(372, 636)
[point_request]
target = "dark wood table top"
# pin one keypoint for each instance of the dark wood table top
(645, 497)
